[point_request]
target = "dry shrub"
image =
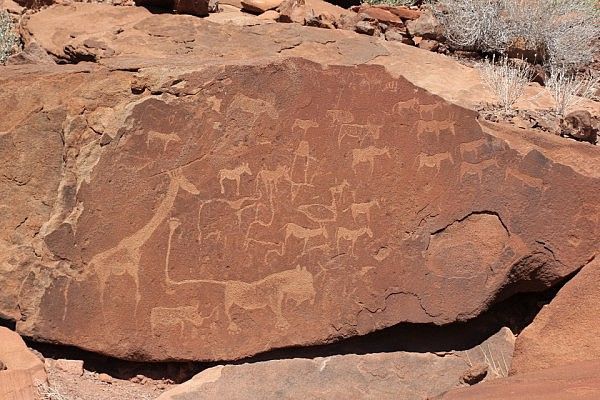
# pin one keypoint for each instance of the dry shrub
(569, 89)
(8, 39)
(507, 79)
(562, 32)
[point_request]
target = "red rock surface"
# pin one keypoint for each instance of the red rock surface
(161, 207)
(577, 381)
(566, 330)
(23, 369)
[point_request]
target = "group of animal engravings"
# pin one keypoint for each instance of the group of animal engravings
(277, 199)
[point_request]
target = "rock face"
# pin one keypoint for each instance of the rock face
(576, 381)
(564, 331)
(21, 368)
(399, 375)
(162, 208)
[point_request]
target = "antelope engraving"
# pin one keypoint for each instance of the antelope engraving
(409, 105)
(303, 233)
(471, 147)
(233, 175)
(340, 116)
(256, 107)
(164, 319)
(434, 161)
(303, 151)
(351, 235)
(338, 190)
(271, 178)
(367, 155)
(165, 138)
(304, 125)
(358, 131)
(524, 179)
(434, 126)
(363, 209)
(467, 168)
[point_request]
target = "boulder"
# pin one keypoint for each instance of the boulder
(397, 375)
(22, 370)
(260, 6)
(299, 10)
(565, 330)
(178, 200)
(576, 381)
(32, 53)
(426, 26)
(580, 125)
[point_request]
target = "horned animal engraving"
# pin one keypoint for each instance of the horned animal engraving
(363, 208)
(163, 319)
(368, 155)
(271, 178)
(351, 235)
(303, 233)
(304, 124)
(165, 138)
(234, 175)
(358, 131)
(523, 178)
(434, 160)
(303, 151)
(476, 168)
(340, 117)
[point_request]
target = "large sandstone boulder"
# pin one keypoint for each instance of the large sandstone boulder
(566, 330)
(398, 375)
(185, 201)
(576, 381)
(20, 369)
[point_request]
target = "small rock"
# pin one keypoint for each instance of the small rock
(105, 378)
(365, 27)
(381, 15)
(428, 44)
(73, 367)
(404, 12)
(319, 21)
(395, 35)
(474, 374)
(2, 366)
(523, 122)
(579, 126)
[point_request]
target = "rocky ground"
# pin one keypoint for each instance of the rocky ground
(283, 202)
